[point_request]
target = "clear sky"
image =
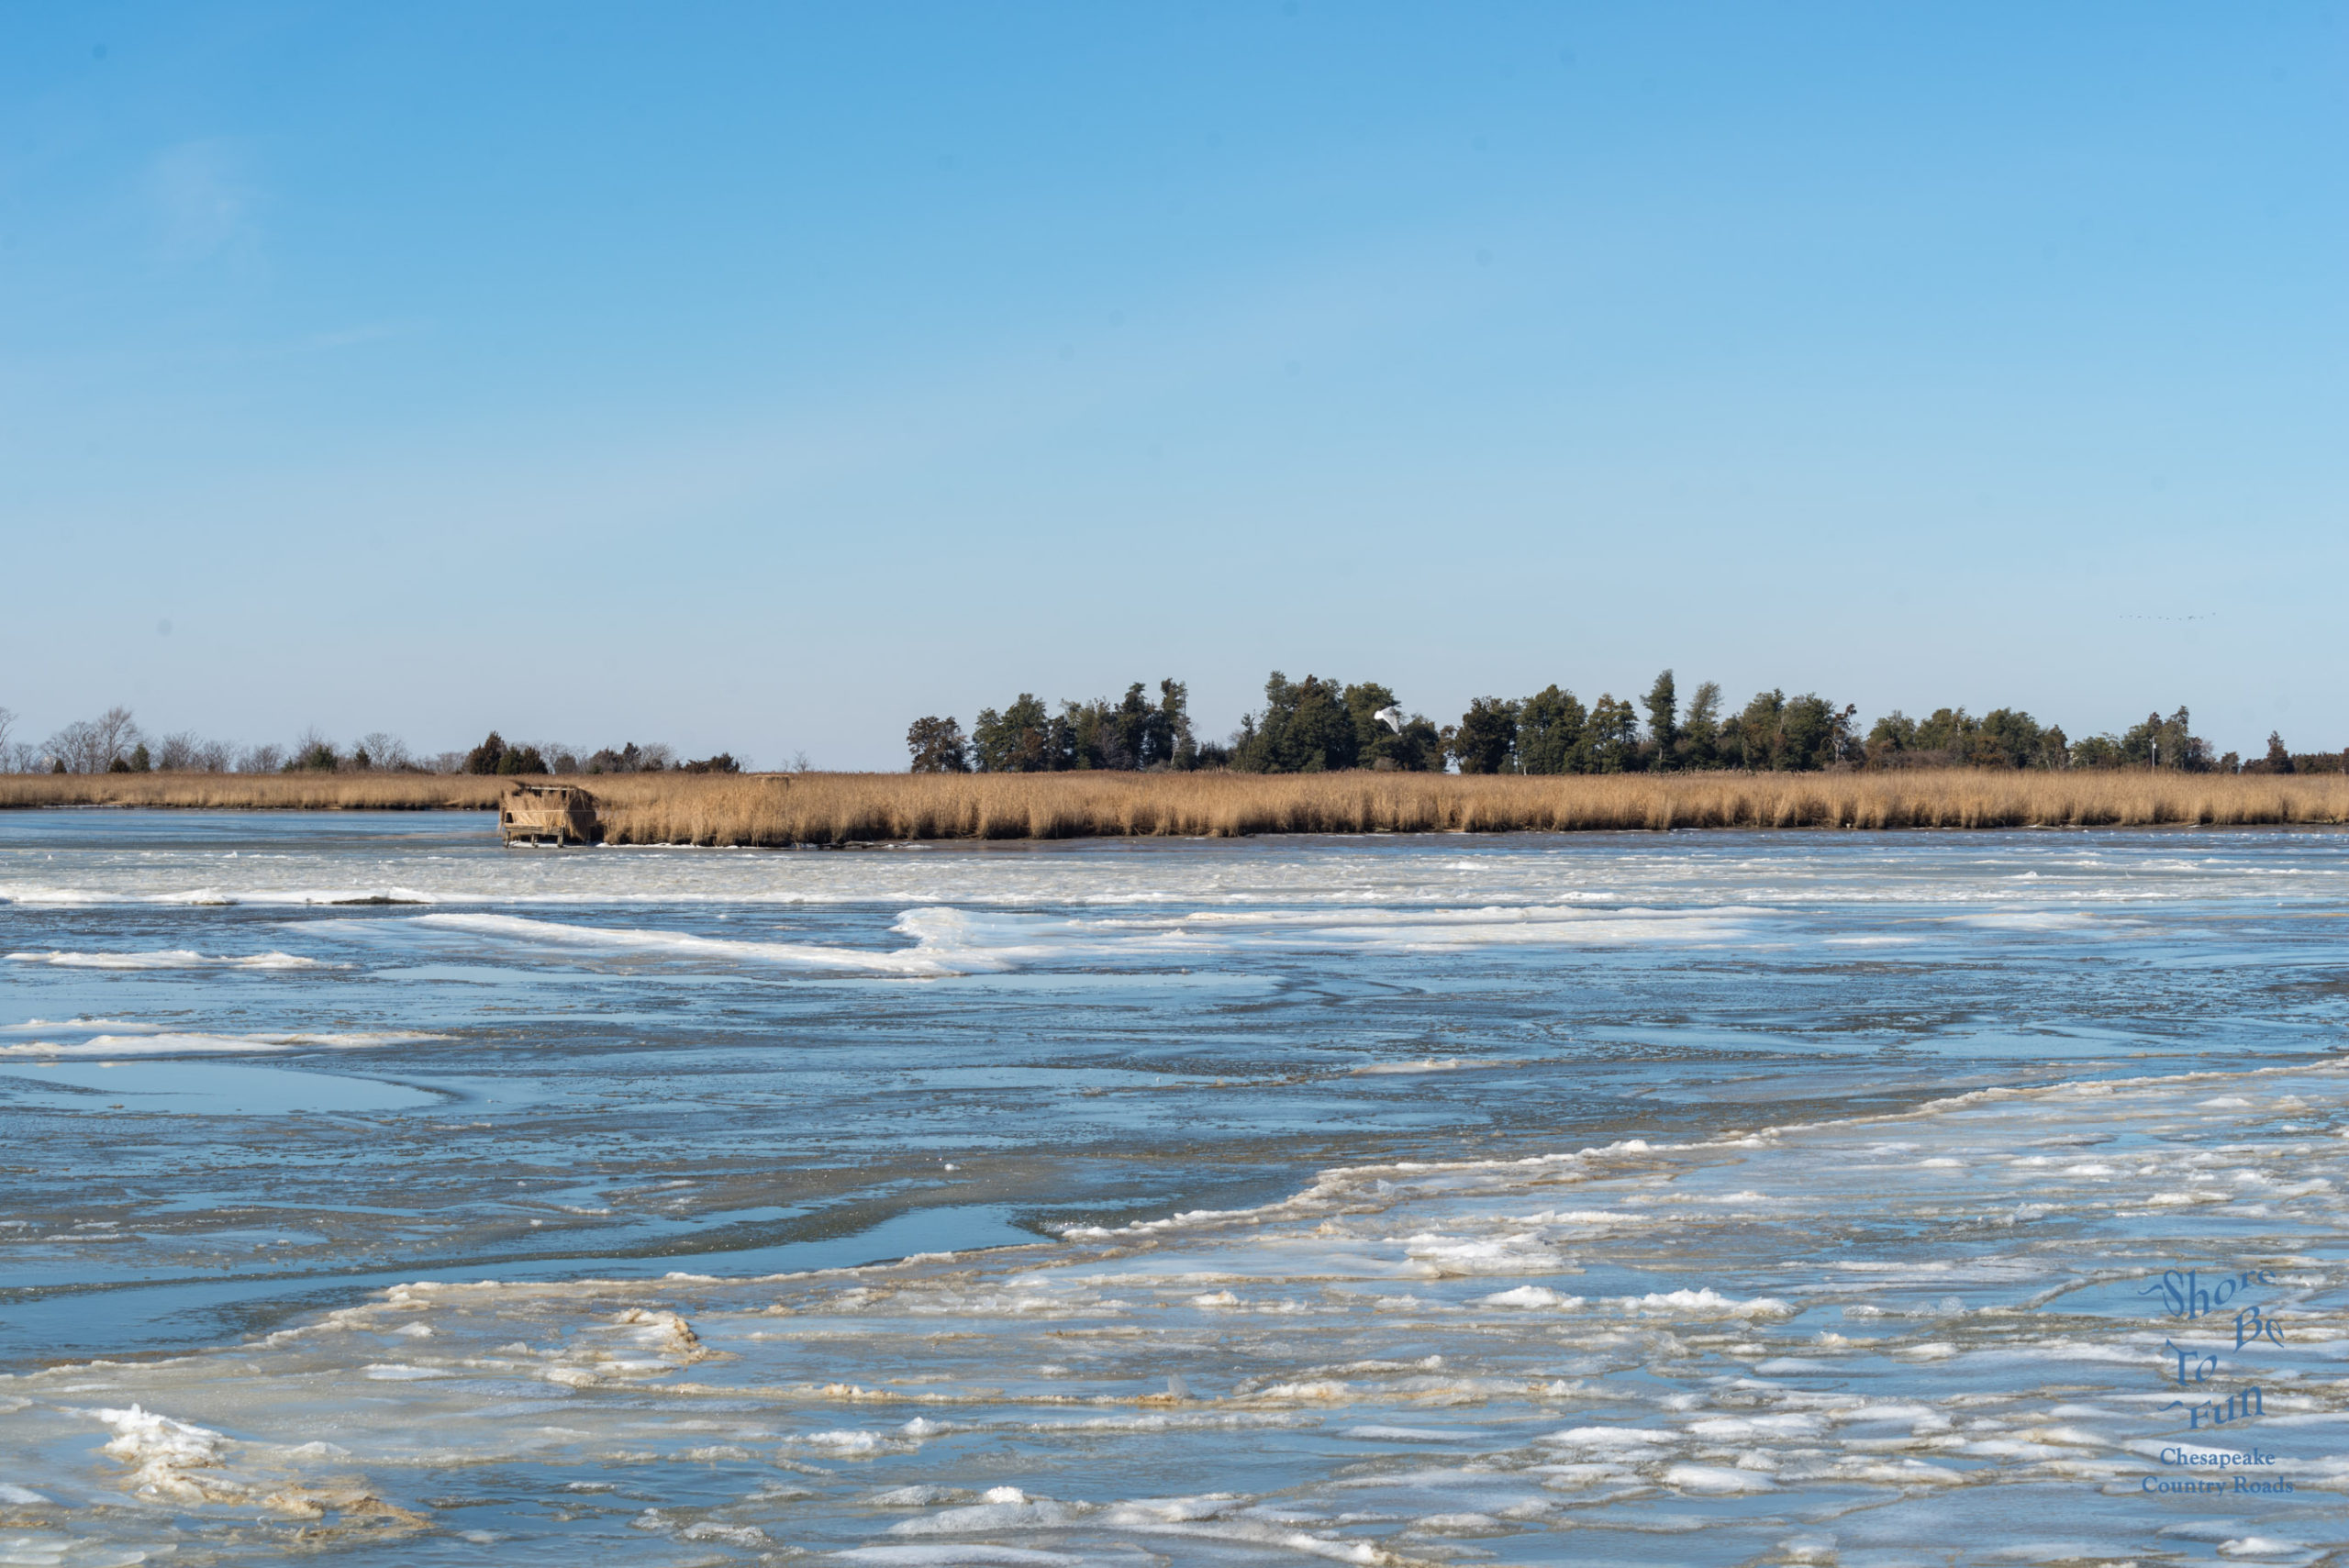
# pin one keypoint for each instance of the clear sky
(765, 376)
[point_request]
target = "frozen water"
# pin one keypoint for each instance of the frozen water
(1714, 1198)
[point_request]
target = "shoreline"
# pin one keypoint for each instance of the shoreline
(783, 810)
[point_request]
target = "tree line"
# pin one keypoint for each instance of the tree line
(1132, 733)
(1314, 725)
(113, 743)
(1318, 725)
(498, 755)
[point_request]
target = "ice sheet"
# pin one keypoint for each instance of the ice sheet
(1555, 1199)
(1884, 1356)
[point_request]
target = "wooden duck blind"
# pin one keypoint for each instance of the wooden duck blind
(549, 814)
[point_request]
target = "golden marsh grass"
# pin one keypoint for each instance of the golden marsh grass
(257, 791)
(831, 808)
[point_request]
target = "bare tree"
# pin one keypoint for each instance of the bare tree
(117, 736)
(379, 750)
(93, 745)
(261, 759)
(69, 746)
(188, 752)
(16, 756)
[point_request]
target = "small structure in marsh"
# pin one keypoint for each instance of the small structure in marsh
(549, 814)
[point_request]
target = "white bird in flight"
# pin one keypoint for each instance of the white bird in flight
(1391, 716)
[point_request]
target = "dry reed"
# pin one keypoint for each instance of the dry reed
(834, 809)
(257, 792)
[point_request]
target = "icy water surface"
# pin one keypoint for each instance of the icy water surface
(1700, 1198)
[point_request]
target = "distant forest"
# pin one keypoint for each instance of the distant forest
(1323, 726)
(113, 743)
(1304, 726)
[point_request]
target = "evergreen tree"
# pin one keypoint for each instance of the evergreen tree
(1320, 731)
(1363, 701)
(2009, 738)
(1751, 739)
(1128, 741)
(1894, 736)
(1776, 733)
(1948, 730)
(1664, 720)
(1806, 734)
(1611, 737)
(1013, 741)
(937, 746)
(2099, 752)
(1061, 739)
(1485, 738)
(1549, 738)
(1701, 732)
(2167, 743)
(1084, 735)
(1844, 736)
(1166, 735)
(1305, 728)
(484, 758)
(1417, 748)
(314, 755)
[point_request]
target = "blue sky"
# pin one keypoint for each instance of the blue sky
(796, 371)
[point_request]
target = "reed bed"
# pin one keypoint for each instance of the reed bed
(257, 792)
(780, 810)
